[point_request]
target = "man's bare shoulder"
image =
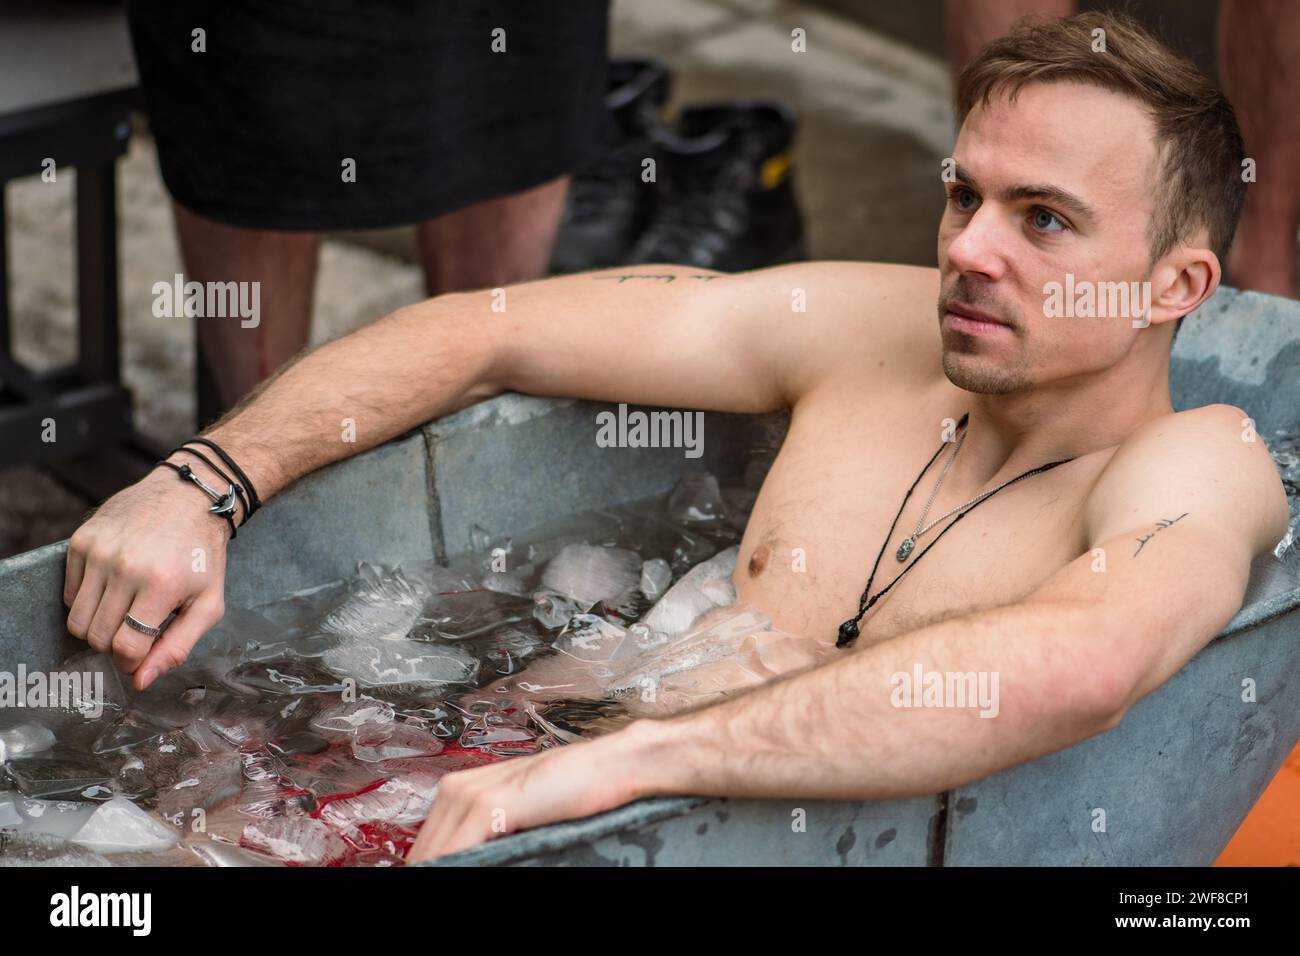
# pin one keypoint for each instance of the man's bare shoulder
(1206, 463)
(827, 319)
(869, 291)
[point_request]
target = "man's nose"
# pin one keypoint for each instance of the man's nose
(982, 245)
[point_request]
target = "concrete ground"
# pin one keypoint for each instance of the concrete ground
(874, 123)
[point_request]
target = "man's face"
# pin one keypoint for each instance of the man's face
(1060, 181)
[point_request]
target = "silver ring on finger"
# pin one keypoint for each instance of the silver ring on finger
(142, 627)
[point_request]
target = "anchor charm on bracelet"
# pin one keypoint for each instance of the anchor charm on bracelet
(222, 504)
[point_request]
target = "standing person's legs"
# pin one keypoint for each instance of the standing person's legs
(971, 24)
(231, 358)
(494, 242)
(1259, 63)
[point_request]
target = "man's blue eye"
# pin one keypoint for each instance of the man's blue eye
(960, 197)
(1045, 221)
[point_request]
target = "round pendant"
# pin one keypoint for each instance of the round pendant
(905, 548)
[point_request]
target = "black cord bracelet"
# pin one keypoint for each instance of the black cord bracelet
(243, 498)
(187, 474)
(254, 501)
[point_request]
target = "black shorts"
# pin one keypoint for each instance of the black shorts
(257, 131)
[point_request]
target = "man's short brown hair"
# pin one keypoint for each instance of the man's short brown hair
(1201, 180)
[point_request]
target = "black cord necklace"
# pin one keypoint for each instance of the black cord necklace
(849, 631)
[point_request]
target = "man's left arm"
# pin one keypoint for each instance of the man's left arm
(1173, 523)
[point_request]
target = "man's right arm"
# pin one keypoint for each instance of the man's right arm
(656, 335)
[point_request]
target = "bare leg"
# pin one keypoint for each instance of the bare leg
(232, 358)
(1259, 59)
(494, 242)
(971, 24)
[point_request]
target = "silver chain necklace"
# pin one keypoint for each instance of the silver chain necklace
(849, 630)
(909, 542)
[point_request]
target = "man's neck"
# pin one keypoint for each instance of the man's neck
(1012, 433)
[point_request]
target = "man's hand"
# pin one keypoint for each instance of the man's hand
(149, 550)
(577, 780)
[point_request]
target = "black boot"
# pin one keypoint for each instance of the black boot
(727, 195)
(610, 203)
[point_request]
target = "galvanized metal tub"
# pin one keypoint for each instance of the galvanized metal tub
(1174, 779)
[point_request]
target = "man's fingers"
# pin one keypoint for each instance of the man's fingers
(179, 639)
(442, 826)
(461, 815)
(449, 808)
(113, 603)
(86, 602)
(130, 646)
(75, 570)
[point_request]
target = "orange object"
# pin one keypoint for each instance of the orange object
(1270, 834)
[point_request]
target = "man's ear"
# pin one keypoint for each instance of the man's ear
(1184, 278)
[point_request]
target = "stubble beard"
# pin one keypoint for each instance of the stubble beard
(962, 363)
(973, 374)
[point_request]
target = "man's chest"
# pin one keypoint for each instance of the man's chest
(825, 511)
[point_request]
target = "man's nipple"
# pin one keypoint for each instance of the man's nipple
(758, 560)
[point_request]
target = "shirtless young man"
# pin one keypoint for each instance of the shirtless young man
(1083, 587)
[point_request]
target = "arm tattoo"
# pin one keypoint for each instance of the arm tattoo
(620, 279)
(1160, 526)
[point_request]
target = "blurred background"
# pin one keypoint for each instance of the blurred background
(852, 129)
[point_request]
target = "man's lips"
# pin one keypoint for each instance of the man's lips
(973, 319)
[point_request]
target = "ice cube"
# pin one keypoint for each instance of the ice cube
(552, 609)
(405, 741)
(332, 771)
(704, 587)
(9, 815)
(656, 575)
(507, 649)
(205, 782)
(227, 721)
(499, 739)
(98, 691)
(222, 646)
(590, 638)
(384, 857)
(154, 765)
(363, 719)
(304, 647)
(400, 800)
(462, 615)
(125, 731)
(213, 853)
(283, 676)
(381, 605)
(297, 840)
(58, 773)
(401, 663)
(24, 740)
(695, 499)
(506, 582)
(171, 701)
(431, 578)
(58, 818)
(266, 792)
(302, 742)
(119, 826)
(39, 849)
(591, 574)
